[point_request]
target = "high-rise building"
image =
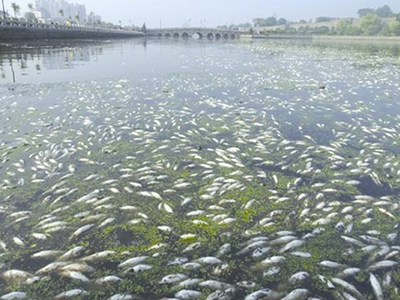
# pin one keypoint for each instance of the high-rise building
(61, 10)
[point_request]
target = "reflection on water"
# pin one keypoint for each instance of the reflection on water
(54, 60)
(30, 60)
(95, 60)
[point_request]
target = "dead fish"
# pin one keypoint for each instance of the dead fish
(14, 296)
(187, 294)
(376, 287)
(16, 276)
(71, 294)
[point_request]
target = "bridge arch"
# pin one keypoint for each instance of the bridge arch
(198, 34)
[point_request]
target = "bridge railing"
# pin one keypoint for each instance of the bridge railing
(61, 27)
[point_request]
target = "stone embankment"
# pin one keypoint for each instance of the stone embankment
(10, 31)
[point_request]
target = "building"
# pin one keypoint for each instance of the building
(61, 10)
(38, 14)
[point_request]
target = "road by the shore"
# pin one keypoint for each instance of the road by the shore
(22, 31)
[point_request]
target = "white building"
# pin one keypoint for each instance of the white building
(61, 10)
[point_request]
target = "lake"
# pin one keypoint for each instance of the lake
(197, 169)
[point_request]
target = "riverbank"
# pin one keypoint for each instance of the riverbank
(358, 38)
(24, 31)
(332, 38)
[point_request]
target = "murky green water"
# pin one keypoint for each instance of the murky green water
(170, 169)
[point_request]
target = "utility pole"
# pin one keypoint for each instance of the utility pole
(4, 10)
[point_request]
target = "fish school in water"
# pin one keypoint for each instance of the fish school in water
(274, 178)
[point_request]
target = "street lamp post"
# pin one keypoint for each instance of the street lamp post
(4, 10)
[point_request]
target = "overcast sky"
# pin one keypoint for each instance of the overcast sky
(218, 12)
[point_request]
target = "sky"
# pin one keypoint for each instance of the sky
(175, 13)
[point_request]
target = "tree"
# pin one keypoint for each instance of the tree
(30, 17)
(384, 11)
(322, 19)
(352, 30)
(16, 8)
(77, 18)
(282, 21)
(301, 29)
(304, 30)
(394, 28)
(385, 31)
(290, 30)
(243, 25)
(61, 12)
(30, 6)
(258, 22)
(303, 22)
(323, 30)
(342, 26)
(144, 28)
(271, 21)
(345, 27)
(371, 24)
(365, 11)
(93, 18)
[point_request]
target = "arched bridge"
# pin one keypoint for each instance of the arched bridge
(210, 33)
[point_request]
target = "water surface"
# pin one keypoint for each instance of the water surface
(199, 170)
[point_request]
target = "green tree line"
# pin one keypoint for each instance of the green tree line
(371, 22)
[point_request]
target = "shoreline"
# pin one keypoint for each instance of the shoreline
(50, 32)
(332, 38)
